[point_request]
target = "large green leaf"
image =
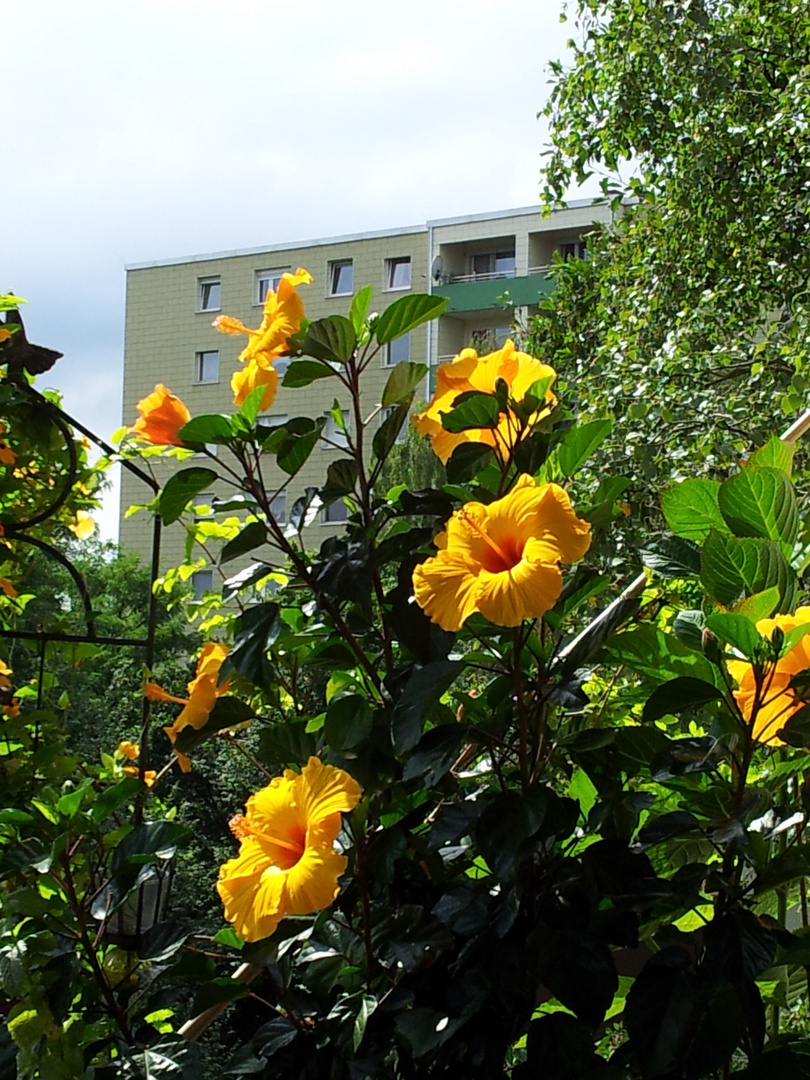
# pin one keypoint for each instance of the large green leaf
(402, 381)
(256, 630)
(679, 695)
(386, 434)
(359, 309)
(228, 711)
(348, 721)
(332, 338)
(303, 372)
(660, 656)
(251, 537)
(760, 502)
(180, 489)
(735, 567)
(474, 411)
(295, 449)
(407, 313)
(424, 688)
(579, 443)
(210, 428)
(775, 454)
(736, 630)
(691, 509)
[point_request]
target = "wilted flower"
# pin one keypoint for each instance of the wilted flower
(469, 372)
(162, 416)
(286, 863)
(502, 560)
(203, 692)
(776, 702)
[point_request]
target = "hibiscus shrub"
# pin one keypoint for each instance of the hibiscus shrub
(492, 834)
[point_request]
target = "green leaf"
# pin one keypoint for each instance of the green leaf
(348, 721)
(367, 1006)
(361, 301)
(677, 696)
(760, 606)
(70, 803)
(304, 372)
(738, 631)
(296, 449)
(251, 537)
(386, 434)
(660, 656)
(424, 688)
(180, 489)
(691, 509)
(406, 314)
(467, 460)
(402, 382)
(760, 502)
(217, 992)
(475, 411)
(332, 338)
(251, 406)
(579, 443)
(110, 800)
(211, 428)
(672, 557)
(733, 568)
(256, 630)
(228, 711)
(775, 454)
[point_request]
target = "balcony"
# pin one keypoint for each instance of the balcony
(483, 292)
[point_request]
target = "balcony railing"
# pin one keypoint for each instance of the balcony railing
(546, 269)
(462, 279)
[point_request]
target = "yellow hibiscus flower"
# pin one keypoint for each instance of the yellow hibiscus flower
(470, 372)
(283, 312)
(286, 863)
(203, 692)
(162, 416)
(778, 702)
(502, 560)
(83, 526)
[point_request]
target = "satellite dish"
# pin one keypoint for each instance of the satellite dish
(437, 269)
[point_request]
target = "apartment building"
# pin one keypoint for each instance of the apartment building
(490, 267)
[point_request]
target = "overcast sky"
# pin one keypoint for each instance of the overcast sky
(146, 129)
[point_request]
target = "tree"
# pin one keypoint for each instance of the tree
(693, 306)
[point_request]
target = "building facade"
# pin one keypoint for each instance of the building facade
(492, 268)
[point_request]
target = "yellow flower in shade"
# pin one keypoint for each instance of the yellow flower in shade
(8, 703)
(83, 526)
(502, 560)
(283, 312)
(129, 749)
(162, 416)
(4, 334)
(7, 588)
(286, 863)
(470, 372)
(777, 701)
(148, 777)
(203, 691)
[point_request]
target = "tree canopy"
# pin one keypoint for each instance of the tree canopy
(693, 304)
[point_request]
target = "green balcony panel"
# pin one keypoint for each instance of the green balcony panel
(483, 295)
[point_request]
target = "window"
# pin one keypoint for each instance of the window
(341, 278)
(202, 506)
(490, 338)
(398, 350)
(333, 436)
(209, 294)
(575, 249)
(278, 507)
(336, 513)
(202, 581)
(268, 281)
(206, 366)
(494, 264)
(399, 273)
